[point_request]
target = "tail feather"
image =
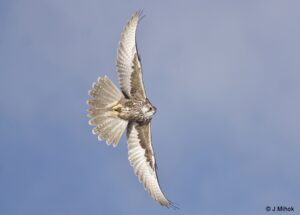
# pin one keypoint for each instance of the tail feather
(101, 119)
(105, 92)
(109, 126)
(95, 111)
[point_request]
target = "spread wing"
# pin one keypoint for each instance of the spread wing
(128, 61)
(141, 157)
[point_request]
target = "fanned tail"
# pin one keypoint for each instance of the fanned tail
(106, 96)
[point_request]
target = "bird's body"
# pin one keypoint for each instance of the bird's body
(112, 111)
(135, 110)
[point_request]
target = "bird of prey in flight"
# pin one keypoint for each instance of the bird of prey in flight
(112, 111)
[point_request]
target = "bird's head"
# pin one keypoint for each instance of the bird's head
(148, 109)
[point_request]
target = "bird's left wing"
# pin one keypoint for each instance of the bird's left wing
(141, 157)
(128, 61)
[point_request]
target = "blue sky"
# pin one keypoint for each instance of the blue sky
(224, 76)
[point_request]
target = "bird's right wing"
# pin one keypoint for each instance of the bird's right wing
(128, 62)
(141, 157)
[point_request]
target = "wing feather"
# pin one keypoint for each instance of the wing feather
(141, 157)
(128, 62)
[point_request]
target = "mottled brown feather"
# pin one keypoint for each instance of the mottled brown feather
(137, 85)
(143, 134)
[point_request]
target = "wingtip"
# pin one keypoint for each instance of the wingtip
(139, 14)
(173, 205)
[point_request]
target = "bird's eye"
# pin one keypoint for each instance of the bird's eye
(150, 108)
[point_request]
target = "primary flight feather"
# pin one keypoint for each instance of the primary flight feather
(112, 111)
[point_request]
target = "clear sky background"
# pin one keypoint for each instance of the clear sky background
(224, 76)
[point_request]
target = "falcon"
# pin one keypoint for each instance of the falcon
(112, 111)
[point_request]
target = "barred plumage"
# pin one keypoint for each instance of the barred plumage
(112, 111)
